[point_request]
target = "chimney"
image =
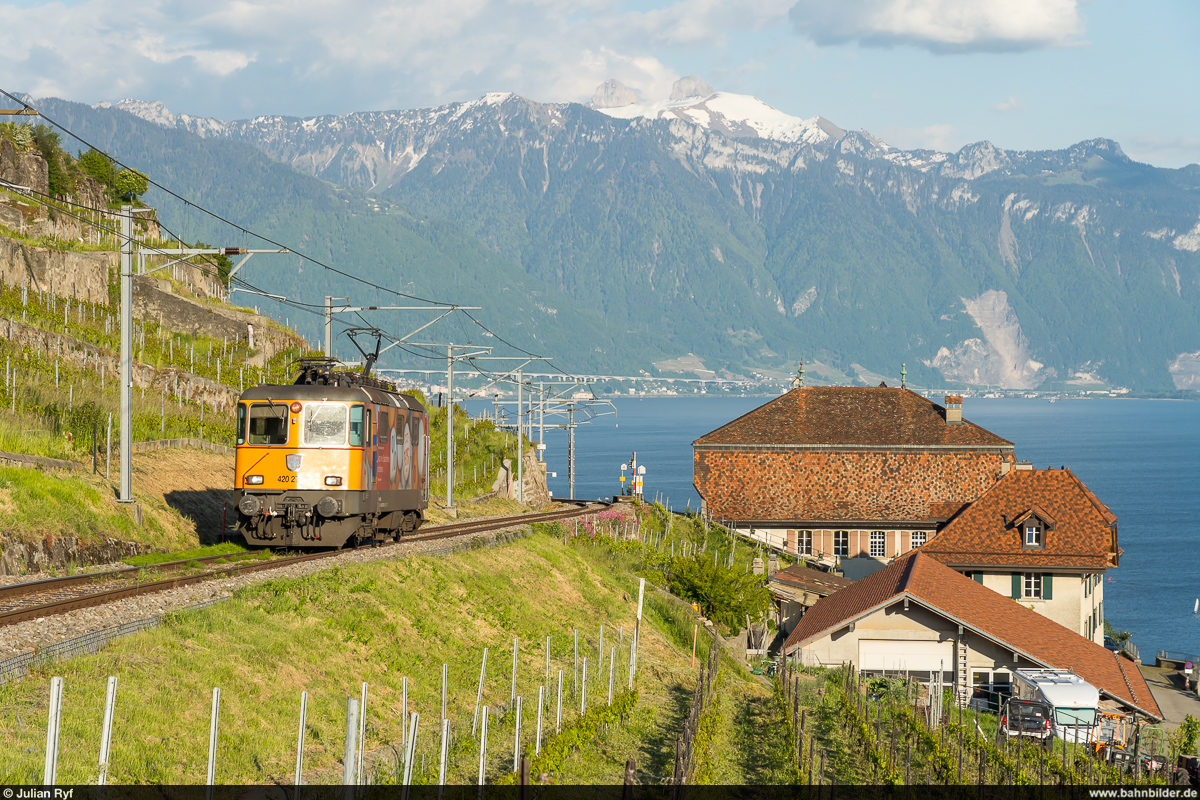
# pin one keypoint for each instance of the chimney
(954, 409)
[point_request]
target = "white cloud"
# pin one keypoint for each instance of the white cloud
(941, 26)
(1007, 106)
(1162, 151)
(930, 137)
(234, 57)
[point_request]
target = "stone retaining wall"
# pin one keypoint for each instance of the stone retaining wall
(35, 462)
(166, 444)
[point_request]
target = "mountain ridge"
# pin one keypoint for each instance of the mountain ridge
(1026, 269)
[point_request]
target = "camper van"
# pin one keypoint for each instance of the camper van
(1073, 699)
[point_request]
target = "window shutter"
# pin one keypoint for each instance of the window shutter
(1016, 586)
(978, 576)
(1047, 586)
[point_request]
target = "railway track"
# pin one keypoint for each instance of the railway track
(34, 599)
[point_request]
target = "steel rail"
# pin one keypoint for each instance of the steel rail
(119, 593)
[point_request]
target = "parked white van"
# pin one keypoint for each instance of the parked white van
(1073, 699)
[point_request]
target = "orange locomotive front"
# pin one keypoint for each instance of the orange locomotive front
(335, 458)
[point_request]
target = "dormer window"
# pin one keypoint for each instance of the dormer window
(1032, 527)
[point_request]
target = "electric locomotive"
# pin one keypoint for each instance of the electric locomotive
(336, 458)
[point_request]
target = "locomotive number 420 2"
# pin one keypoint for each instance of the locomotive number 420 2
(286, 479)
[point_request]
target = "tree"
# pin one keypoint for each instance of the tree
(50, 146)
(98, 166)
(1184, 737)
(129, 183)
(726, 594)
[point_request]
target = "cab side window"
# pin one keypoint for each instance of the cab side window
(356, 426)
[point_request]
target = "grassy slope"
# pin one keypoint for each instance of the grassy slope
(180, 493)
(328, 632)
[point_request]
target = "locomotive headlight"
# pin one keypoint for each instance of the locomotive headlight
(333, 480)
(328, 506)
(250, 505)
(254, 480)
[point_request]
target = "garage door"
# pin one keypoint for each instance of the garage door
(898, 655)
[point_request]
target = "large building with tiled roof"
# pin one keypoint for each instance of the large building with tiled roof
(1040, 537)
(857, 474)
(919, 616)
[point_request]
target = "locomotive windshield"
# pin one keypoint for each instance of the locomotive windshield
(325, 424)
(267, 424)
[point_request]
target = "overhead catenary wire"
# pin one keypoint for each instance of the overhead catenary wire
(299, 253)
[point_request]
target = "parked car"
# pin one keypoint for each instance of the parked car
(1111, 644)
(1027, 719)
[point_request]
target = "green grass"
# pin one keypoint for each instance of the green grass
(749, 743)
(227, 548)
(328, 632)
(54, 504)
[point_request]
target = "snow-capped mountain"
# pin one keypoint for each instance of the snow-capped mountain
(370, 149)
(735, 115)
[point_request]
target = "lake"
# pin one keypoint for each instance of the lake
(1140, 457)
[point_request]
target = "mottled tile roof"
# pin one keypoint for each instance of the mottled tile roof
(848, 416)
(1080, 531)
(983, 611)
(812, 580)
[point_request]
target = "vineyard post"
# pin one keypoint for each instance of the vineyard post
(517, 738)
(110, 701)
(537, 747)
(351, 747)
(212, 737)
(892, 754)
(54, 724)
(483, 750)
(479, 691)
(362, 736)
(300, 742)
(445, 751)
(960, 743)
(558, 715)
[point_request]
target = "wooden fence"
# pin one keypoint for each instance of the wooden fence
(701, 699)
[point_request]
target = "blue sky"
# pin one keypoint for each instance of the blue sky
(1024, 74)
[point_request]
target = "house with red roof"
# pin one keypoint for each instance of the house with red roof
(918, 617)
(852, 475)
(1040, 537)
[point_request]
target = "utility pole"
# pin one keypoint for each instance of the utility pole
(520, 439)
(571, 450)
(450, 425)
(126, 441)
(541, 422)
